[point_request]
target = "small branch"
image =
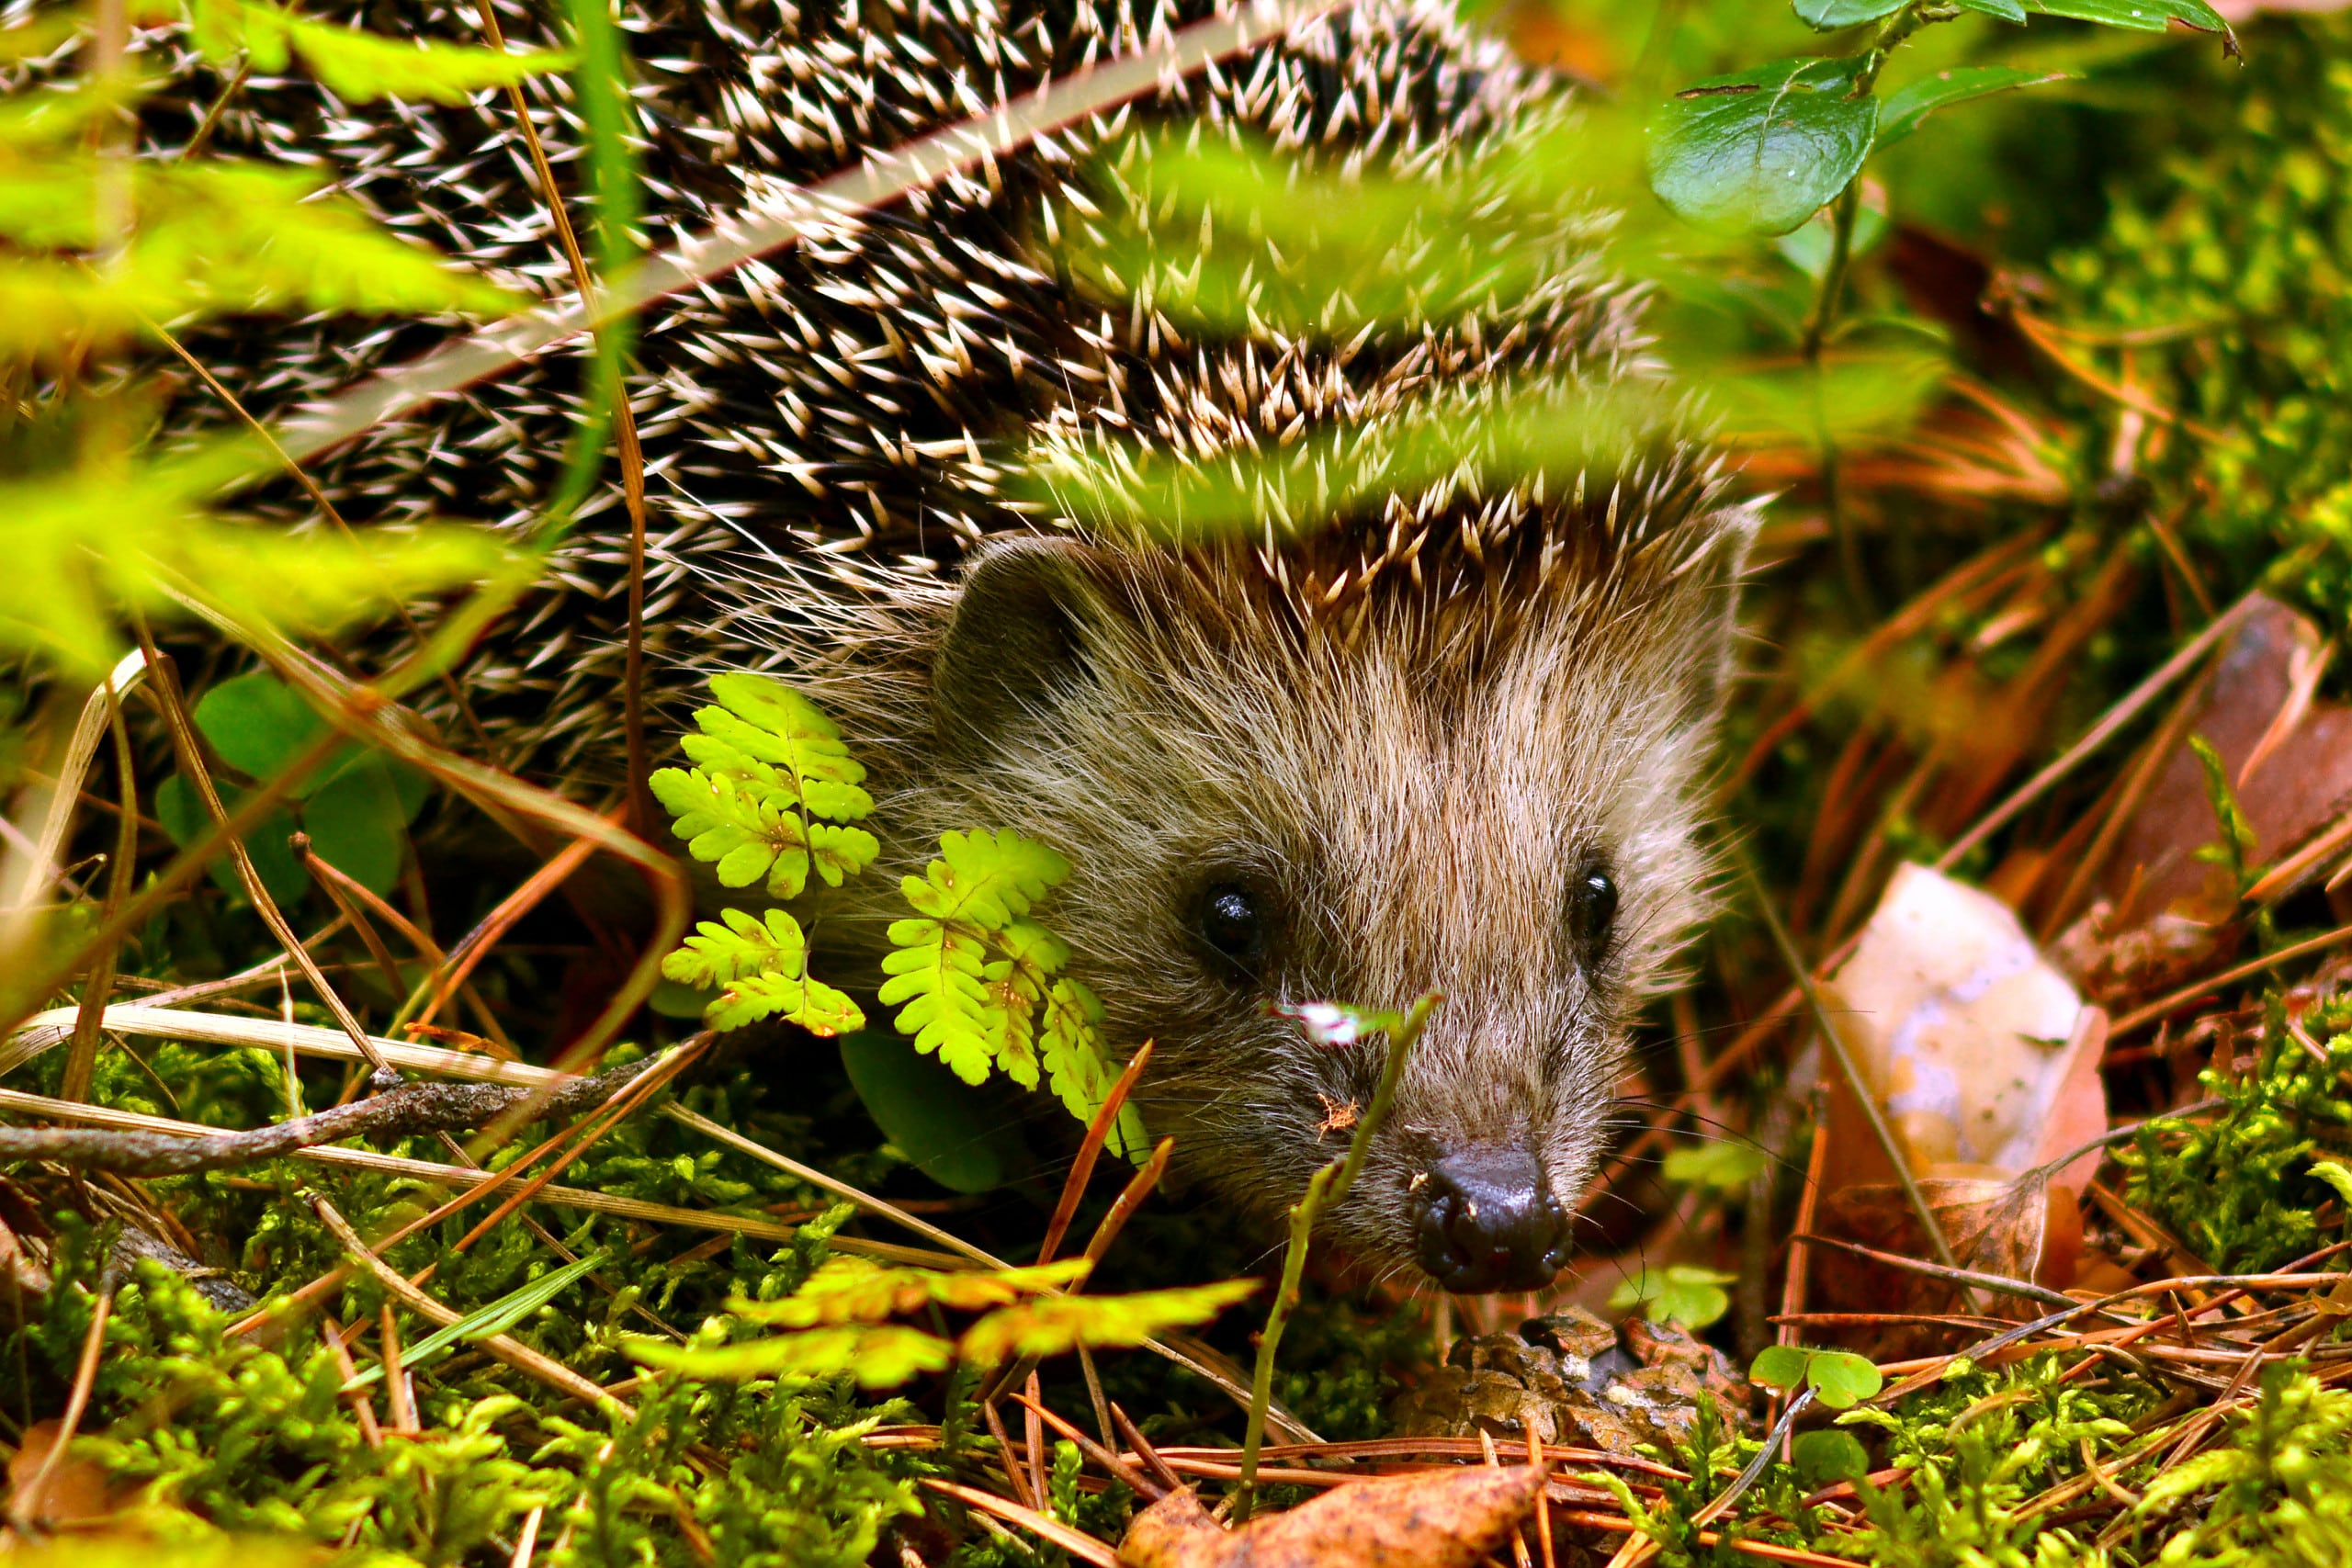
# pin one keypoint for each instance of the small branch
(1326, 1188)
(405, 1112)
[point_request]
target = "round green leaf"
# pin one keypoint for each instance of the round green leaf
(1759, 152)
(256, 723)
(1842, 1379)
(358, 824)
(1828, 1456)
(1830, 15)
(1779, 1366)
(1680, 1292)
(1917, 100)
(181, 811)
(2142, 16)
(1725, 1164)
(924, 1110)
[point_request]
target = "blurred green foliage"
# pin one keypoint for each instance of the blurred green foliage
(2221, 283)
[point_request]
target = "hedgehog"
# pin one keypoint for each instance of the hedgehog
(1452, 740)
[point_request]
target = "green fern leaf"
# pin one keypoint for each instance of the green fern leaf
(773, 790)
(359, 67)
(737, 824)
(937, 971)
(1048, 1325)
(721, 954)
(1079, 1069)
(762, 964)
(802, 999)
(85, 546)
(876, 1355)
(855, 1290)
(985, 879)
(1013, 1000)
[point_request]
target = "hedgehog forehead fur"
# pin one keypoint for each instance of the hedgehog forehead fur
(1408, 733)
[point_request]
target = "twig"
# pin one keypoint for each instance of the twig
(2246, 971)
(464, 1176)
(1952, 1274)
(1327, 1188)
(404, 1111)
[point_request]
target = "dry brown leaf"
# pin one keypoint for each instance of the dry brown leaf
(2259, 698)
(75, 1492)
(1446, 1518)
(1972, 1044)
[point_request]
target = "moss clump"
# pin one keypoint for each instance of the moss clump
(2279, 1495)
(201, 1436)
(2238, 1189)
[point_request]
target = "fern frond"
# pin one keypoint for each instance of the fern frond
(985, 879)
(762, 964)
(771, 792)
(359, 67)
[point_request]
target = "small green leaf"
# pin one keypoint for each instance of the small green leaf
(927, 1113)
(1828, 1456)
(876, 1355)
(1724, 1165)
(2336, 1176)
(1760, 151)
(1827, 16)
(1809, 245)
(256, 723)
(1680, 1292)
(2142, 16)
(1049, 1325)
(1779, 1366)
(1841, 1379)
(358, 823)
(1917, 100)
(181, 811)
(1339, 1025)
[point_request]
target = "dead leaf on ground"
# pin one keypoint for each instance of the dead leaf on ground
(1985, 1063)
(2259, 701)
(1447, 1518)
(74, 1493)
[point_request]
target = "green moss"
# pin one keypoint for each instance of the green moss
(2234, 258)
(2236, 1187)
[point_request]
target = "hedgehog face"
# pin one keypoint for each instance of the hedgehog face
(1490, 800)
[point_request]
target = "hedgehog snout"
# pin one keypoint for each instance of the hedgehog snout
(1484, 1218)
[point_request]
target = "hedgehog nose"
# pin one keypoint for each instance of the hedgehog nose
(1486, 1222)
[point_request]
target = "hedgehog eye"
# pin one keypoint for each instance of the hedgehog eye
(1592, 910)
(1232, 926)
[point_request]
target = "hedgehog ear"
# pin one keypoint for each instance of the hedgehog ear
(1018, 638)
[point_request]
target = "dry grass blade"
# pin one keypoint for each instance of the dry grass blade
(1136, 1481)
(84, 1058)
(1082, 1169)
(515, 1353)
(1053, 1531)
(41, 868)
(2165, 1006)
